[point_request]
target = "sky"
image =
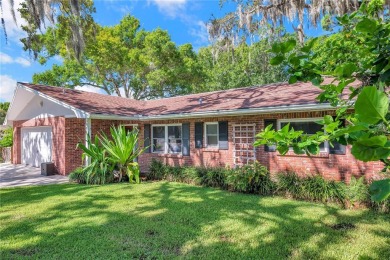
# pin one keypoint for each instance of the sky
(185, 20)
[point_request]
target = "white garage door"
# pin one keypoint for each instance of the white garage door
(36, 145)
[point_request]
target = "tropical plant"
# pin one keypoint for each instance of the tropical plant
(122, 149)
(99, 167)
(366, 108)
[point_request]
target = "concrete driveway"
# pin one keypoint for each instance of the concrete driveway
(20, 175)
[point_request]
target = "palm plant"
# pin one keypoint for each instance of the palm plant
(122, 150)
(100, 167)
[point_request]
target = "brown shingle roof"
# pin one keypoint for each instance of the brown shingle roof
(271, 95)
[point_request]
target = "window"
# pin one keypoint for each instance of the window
(308, 126)
(211, 135)
(167, 138)
(174, 139)
(159, 139)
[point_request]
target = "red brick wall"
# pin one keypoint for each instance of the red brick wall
(58, 139)
(68, 132)
(74, 134)
(331, 166)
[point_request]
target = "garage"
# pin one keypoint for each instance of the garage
(36, 145)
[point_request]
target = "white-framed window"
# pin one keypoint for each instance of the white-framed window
(307, 125)
(167, 138)
(211, 134)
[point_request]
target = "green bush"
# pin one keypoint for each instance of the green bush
(213, 177)
(356, 192)
(6, 137)
(157, 170)
(251, 178)
(316, 188)
(313, 188)
(81, 176)
(290, 185)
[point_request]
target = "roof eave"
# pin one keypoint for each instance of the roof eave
(236, 112)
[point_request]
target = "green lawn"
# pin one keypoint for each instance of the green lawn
(168, 220)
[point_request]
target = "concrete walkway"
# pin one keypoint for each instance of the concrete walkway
(20, 175)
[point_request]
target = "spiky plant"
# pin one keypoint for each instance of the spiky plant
(122, 149)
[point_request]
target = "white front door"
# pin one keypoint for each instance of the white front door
(36, 145)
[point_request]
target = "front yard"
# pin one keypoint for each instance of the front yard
(167, 220)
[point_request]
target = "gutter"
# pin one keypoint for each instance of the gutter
(247, 111)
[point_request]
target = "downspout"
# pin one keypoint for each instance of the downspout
(87, 136)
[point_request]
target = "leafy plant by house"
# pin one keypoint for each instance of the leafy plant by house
(367, 107)
(99, 168)
(251, 178)
(122, 149)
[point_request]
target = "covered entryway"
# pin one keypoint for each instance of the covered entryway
(36, 145)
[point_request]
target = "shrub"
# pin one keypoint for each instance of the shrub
(316, 188)
(356, 192)
(313, 188)
(157, 170)
(290, 185)
(213, 177)
(81, 176)
(251, 178)
(190, 175)
(6, 137)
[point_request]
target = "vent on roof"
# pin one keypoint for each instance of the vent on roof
(200, 101)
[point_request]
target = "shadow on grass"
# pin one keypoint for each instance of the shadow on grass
(165, 220)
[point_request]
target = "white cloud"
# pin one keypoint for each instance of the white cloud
(14, 31)
(6, 59)
(22, 61)
(7, 88)
(171, 8)
(89, 88)
(199, 31)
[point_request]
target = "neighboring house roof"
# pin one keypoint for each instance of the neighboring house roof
(258, 97)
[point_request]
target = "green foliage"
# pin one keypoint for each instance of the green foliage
(214, 177)
(6, 137)
(356, 192)
(99, 168)
(360, 50)
(251, 178)
(244, 65)
(3, 111)
(122, 149)
(123, 58)
(156, 170)
(82, 177)
(313, 188)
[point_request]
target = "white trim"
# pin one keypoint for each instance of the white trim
(205, 135)
(235, 112)
(166, 148)
(79, 113)
(310, 119)
(88, 132)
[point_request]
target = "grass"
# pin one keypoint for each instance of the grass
(172, 220)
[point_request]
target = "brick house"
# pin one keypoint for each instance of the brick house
(210, 129)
